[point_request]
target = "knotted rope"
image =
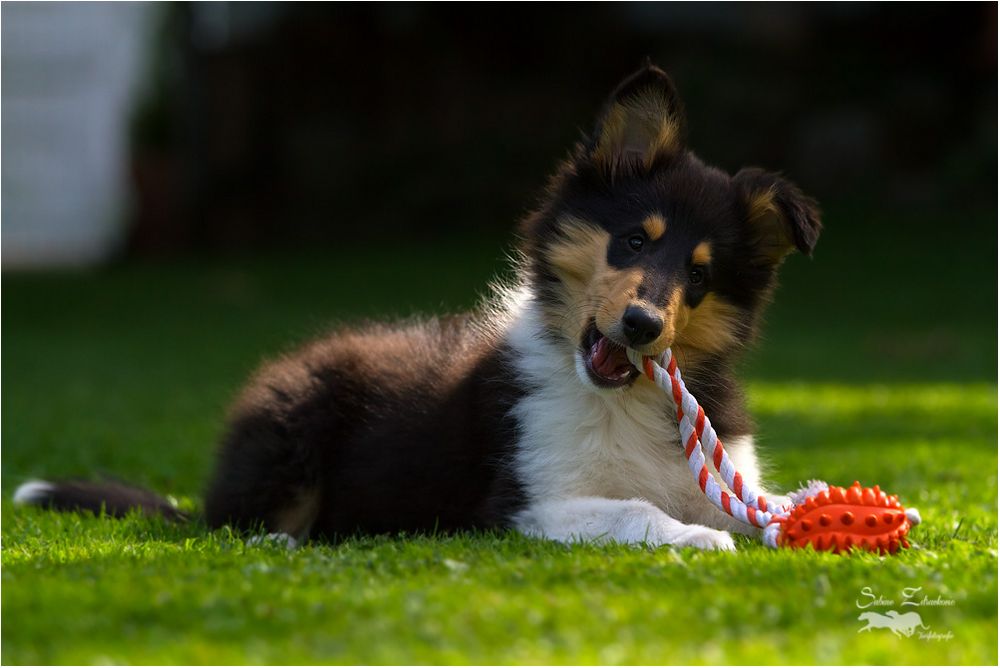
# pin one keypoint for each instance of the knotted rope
(744, 502)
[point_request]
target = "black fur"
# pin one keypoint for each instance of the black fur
(112, 498)
(395, 429)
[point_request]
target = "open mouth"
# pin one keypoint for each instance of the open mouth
(606, 362)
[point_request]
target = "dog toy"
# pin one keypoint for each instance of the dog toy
(829, 518)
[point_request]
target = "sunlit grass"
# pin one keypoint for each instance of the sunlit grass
(128, 372)
(84, 589)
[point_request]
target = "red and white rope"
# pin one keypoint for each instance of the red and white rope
(699, 439)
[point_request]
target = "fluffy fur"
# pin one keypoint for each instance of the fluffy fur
(524, 414)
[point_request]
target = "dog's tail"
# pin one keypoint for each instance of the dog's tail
(112, 498)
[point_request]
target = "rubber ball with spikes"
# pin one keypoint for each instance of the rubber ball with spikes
(838, 519)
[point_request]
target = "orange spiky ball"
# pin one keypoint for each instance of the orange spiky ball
(838, 519)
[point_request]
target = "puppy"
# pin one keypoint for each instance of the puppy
(527, 413)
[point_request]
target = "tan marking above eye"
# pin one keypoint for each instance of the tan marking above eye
(655, 226)
(702, 253)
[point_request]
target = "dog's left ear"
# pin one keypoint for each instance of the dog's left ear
(780, 217)
(642, 120)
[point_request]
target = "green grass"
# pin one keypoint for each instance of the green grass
(878, 363)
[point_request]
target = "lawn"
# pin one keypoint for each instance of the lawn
(878, 363)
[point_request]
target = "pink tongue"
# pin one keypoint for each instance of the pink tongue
(608, 359)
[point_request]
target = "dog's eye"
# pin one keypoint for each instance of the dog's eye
(635, 242)
(696, 276)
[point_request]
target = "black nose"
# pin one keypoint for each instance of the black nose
(641, 326)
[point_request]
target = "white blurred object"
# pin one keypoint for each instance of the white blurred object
(70, 74)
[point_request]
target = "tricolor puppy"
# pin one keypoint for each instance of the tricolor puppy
(527, 413)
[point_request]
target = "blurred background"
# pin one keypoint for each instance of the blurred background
(134, 130)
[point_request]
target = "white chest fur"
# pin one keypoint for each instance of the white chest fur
(577, 440)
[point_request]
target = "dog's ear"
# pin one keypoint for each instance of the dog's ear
(641, 121)
(779, 217)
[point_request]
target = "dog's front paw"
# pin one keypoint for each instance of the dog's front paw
(704, 538)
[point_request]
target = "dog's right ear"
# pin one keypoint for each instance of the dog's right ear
(641, 121)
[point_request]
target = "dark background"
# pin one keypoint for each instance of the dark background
(294, 167)
(302, 124)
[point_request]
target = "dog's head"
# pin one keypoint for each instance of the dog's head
(640, 244)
